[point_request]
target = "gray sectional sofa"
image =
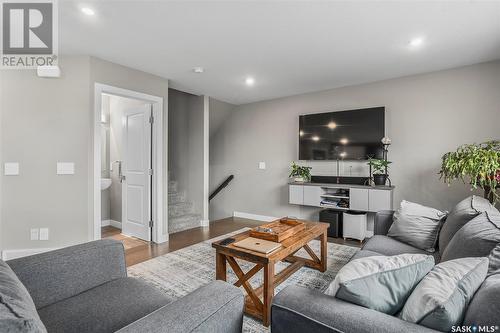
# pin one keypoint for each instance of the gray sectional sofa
(85, 288)
(298, 309)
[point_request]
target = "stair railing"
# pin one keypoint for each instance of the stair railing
(221, 187)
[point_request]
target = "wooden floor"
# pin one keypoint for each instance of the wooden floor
(137, 250)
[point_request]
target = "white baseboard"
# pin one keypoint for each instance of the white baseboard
(205, 223)
(112, 223)
(254, 217)
(19, 253)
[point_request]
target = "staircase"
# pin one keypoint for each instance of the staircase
(181, 215)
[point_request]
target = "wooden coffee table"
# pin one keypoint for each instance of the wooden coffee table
(254, 305)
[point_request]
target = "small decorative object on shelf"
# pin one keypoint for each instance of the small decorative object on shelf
(476, 164)
(300, 173)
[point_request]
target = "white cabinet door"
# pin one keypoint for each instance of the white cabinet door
(380, 200)
(358, 199)
(296, 194)
(312, 196)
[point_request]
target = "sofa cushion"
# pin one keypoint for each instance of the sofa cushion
(441, 298)
(364, 254)
(484, 309)
(417, 225)
(494, 261)
(381, 283)
(17, 310)
(389, 246)
(462, 213)
(105, 308)
(477, 238)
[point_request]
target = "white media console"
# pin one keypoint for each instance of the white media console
(357, 197)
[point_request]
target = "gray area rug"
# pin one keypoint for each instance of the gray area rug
(183, 271)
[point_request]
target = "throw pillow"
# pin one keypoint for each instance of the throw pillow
(417, 225)
(17, 310)
(485, 306)
(440, 300)
(477, 238)
(462, 213)
(382, 283)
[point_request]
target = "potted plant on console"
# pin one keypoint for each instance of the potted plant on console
(300, 173)
(379, 170)
(476, 164)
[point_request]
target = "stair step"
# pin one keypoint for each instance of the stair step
(184, 222)
(180, 209)
(172, 186)
(176, 197)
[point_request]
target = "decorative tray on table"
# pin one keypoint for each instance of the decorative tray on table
(278, 230)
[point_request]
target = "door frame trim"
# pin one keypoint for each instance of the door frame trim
(160, 233)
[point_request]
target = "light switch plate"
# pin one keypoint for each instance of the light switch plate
(44, 233)
(34, 234)
(65, 168)
(11, 169)
(262, 165)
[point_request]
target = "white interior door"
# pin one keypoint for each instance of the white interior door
(136, 187)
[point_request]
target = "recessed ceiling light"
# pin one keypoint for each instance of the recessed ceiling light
(344, 141)
(332, 125)
(416, 42)
(315, 138)
(198, 69)
(88, 11)
(250, 81)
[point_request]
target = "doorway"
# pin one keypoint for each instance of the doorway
(128, 149)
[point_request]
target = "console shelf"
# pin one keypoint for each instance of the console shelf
(358, 197)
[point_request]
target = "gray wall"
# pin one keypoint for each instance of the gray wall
(48, 120)
(186, 145)
(219, 112)
(45, 121)
(426, 116)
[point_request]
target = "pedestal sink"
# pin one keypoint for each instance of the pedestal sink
(105, 183)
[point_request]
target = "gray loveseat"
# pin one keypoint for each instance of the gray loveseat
(85, 288)
(298, 309)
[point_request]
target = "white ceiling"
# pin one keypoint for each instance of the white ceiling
(288, 47)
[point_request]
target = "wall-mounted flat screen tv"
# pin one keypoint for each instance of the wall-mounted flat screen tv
(342, 135)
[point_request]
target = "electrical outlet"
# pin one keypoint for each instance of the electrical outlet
(262, 165)
(44, 233)
(34, 234)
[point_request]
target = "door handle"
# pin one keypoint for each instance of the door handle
(122, 179)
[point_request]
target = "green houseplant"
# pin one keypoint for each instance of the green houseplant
(379, 167)
(300, 173)
(476, 164)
